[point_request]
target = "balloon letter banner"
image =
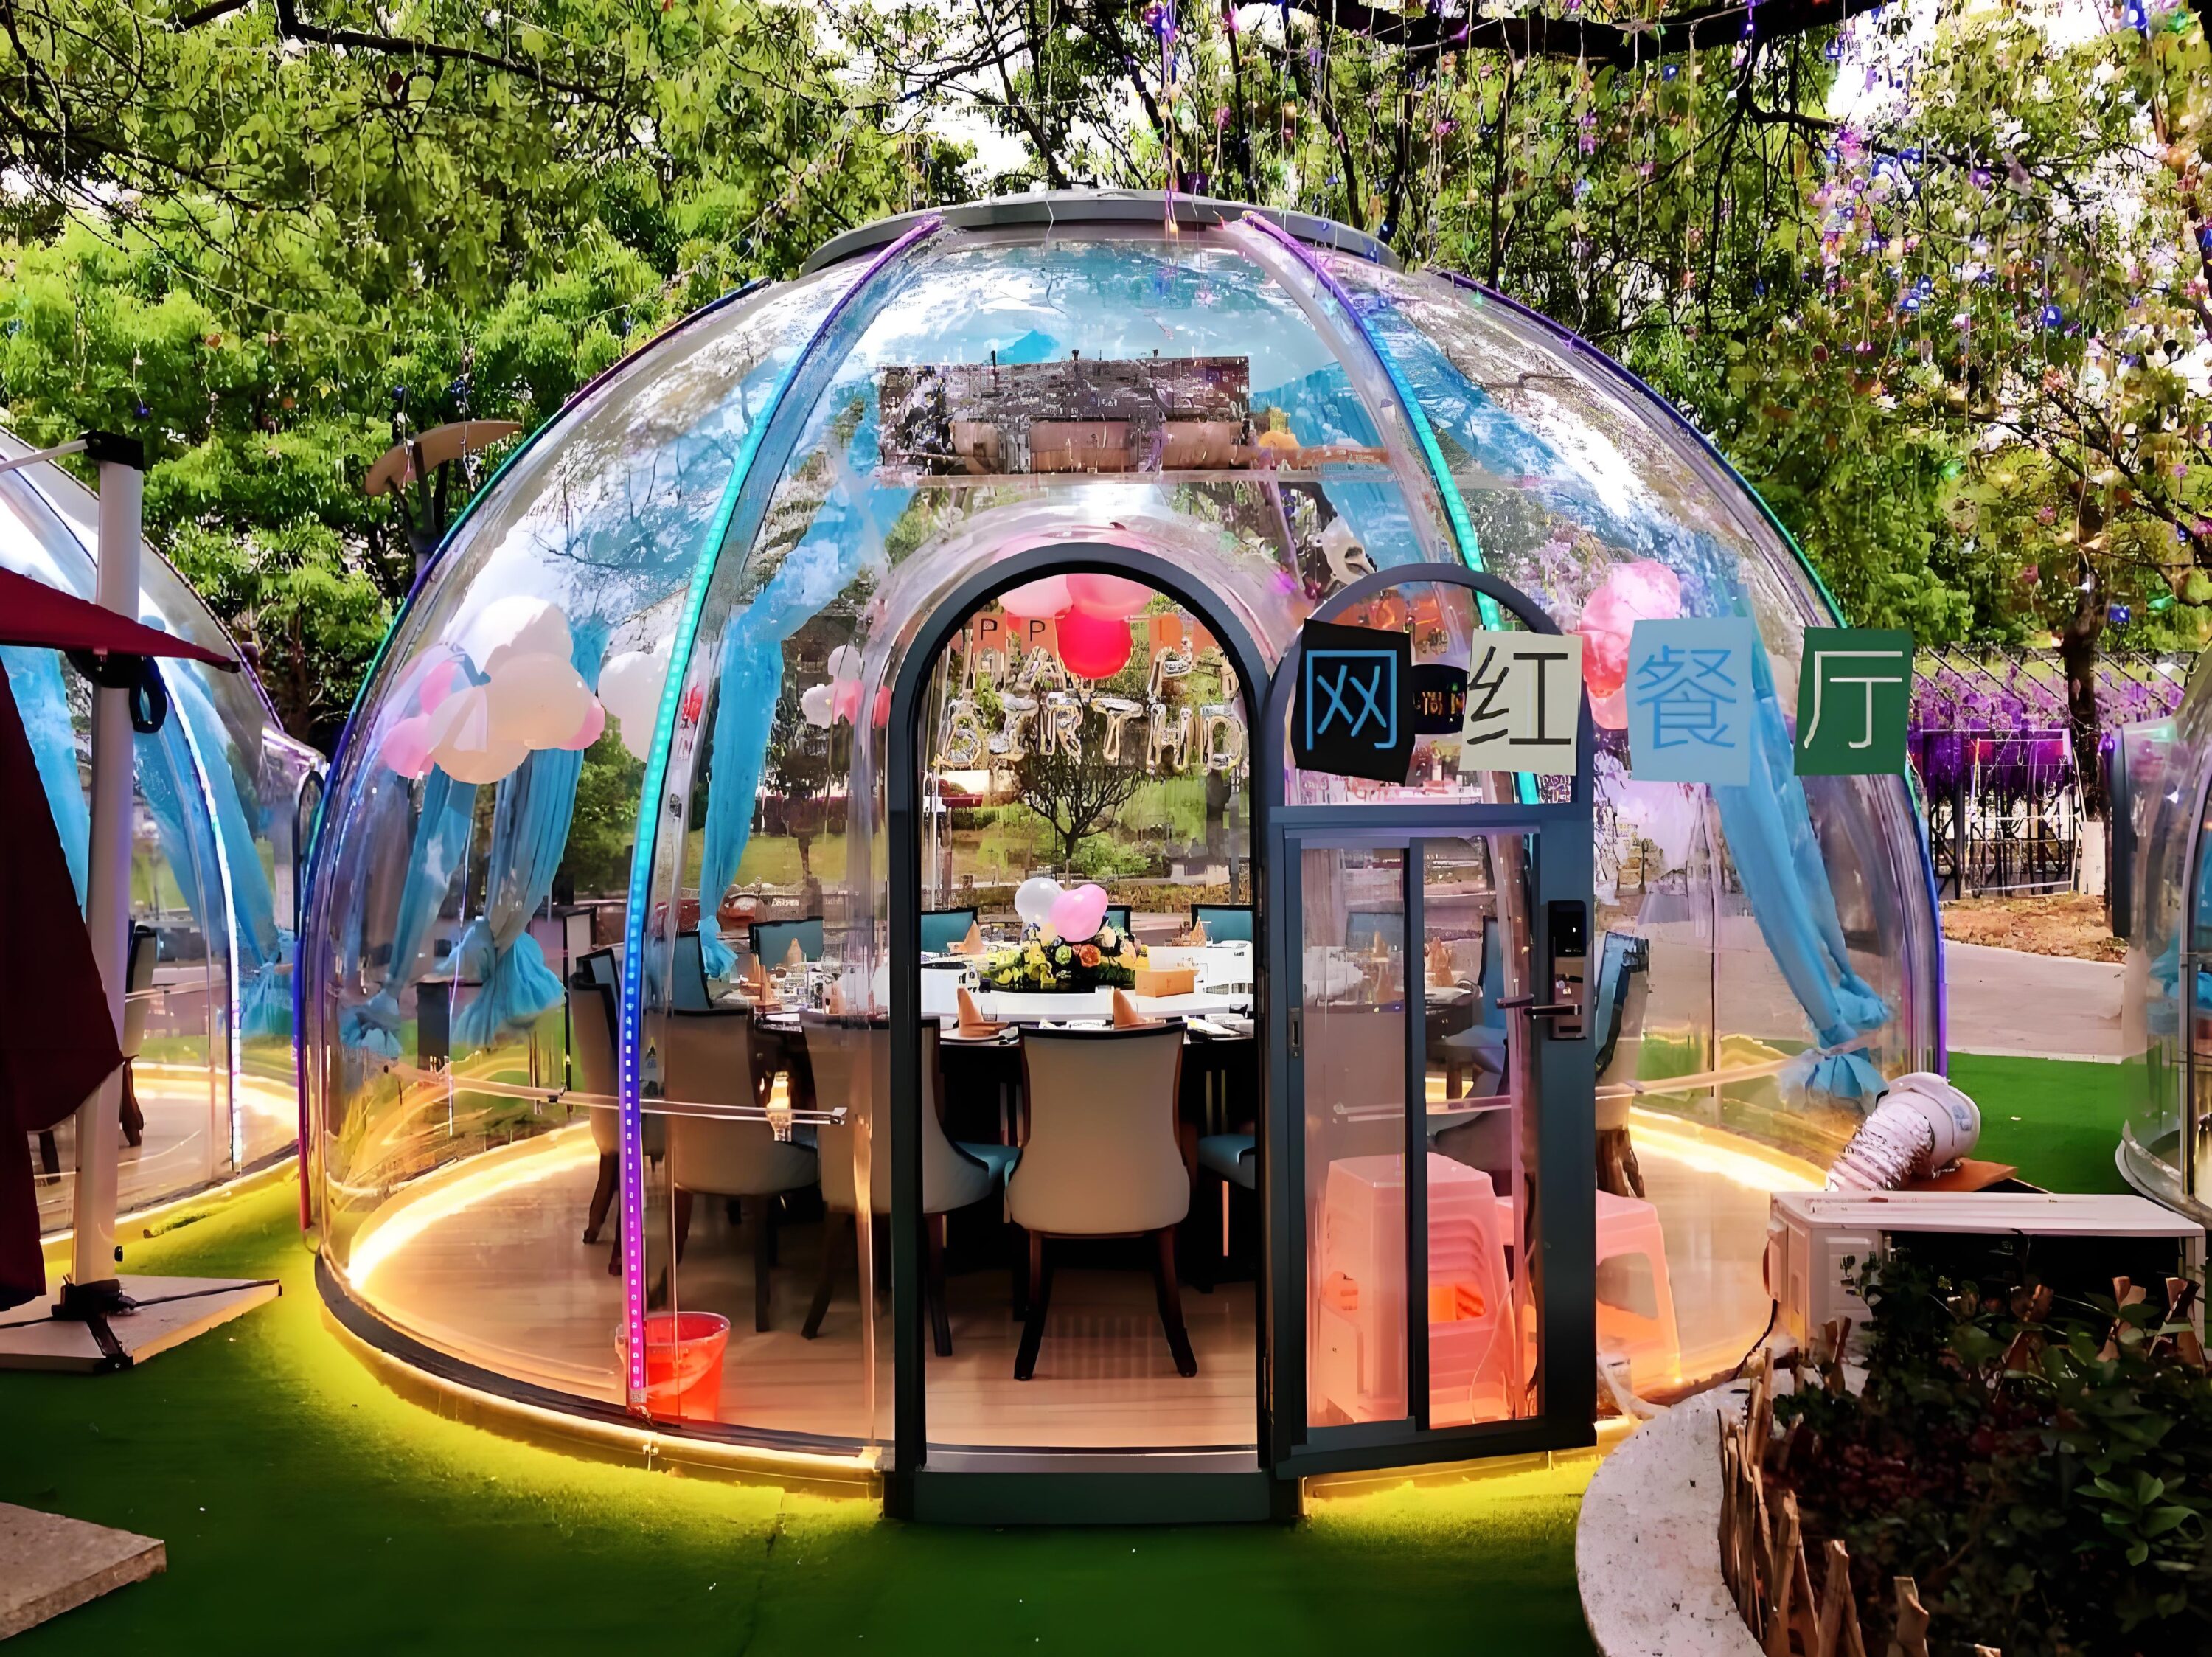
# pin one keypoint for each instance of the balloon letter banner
(1690, 711)
(1354, 714)
(1523, 703)
(1853, 694)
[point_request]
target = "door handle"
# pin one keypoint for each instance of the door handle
(1527, 1003)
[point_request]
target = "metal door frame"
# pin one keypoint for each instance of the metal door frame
(912, 1489)
(1566, 1216)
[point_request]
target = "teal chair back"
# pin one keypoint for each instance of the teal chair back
(1117, 917)
(1362, 927)
(771, 940)
(1493, 974)
(690, 992)
(598, 966)
(943, 927)
(1619, 956)
(1225, 922)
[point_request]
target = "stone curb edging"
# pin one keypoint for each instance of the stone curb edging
(1647, 1544)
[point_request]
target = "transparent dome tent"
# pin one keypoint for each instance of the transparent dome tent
(703, 773)
(216, 856)
(2158, 773)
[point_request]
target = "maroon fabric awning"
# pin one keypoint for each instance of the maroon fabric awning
(32, 613)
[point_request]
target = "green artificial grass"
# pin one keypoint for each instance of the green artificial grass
(2058, 1123)
(307, 1509)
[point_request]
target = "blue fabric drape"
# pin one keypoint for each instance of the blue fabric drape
(1777, 855)
(442, 838)
(529, 833)
(35, 679)
(845, 539)
(1768, 823)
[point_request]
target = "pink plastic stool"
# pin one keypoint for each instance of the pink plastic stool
(1629, 1226)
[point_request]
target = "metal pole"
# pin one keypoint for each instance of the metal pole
(107, 899)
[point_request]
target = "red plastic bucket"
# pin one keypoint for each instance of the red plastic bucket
(683, 1363)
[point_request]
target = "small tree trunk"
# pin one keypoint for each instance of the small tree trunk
(2077, 653)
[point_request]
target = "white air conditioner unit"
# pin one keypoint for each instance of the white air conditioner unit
(2077, 1244)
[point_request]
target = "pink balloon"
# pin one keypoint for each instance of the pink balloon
(1611, 709)
(1079, 914)
(1038, 600)
(588, 732)
(1645, 590)
(1094, 647)
(1110, 595)
(845, 701)
(406, 747)
(442, 680)
(881, 714)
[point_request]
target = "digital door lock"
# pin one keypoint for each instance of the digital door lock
(1569, 936)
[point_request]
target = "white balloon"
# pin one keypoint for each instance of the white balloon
(817, 704)
(844, 663)
(537, 700)
(629, 689)
(1035, 896)
(463, 743)
(518, 625)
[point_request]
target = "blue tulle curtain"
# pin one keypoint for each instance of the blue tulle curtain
(529, 833)
(42, 696)
(845, 539)
(433, 861)
(1768, 824)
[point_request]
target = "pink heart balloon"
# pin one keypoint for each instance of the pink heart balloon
(406, 747)
(1110, 595)
(588, 732)
(1079, 914)
(440, 681)
(1038, 600)
(845, 701)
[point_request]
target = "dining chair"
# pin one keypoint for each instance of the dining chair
(1366, 927)
(1482, 1044)
(1101, 1159)
(592, 1026)
(943, 927)
(1117, 917)
(852, 1056)
(771, 940)
(1224, 1161)
(707, 1059)
(690, 994)
(1225, 922)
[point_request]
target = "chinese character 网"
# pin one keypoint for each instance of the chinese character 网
(1360, 698)
(1690, 695)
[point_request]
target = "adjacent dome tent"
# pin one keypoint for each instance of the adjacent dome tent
(631, 731)
(212, 868)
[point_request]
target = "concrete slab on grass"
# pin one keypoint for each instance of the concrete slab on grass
(50, 1564)
(2016, 1005)
(171, 1311)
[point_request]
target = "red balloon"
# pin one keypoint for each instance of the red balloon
(1094, 647)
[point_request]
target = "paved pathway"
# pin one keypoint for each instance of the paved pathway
(2007, 1002)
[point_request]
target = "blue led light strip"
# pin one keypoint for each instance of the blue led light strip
(761, 459)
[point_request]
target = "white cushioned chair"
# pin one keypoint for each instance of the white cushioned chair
(707, 1059)
(851, 1061)
(1101, 1159)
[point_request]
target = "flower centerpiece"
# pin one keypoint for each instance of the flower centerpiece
(1043, 962)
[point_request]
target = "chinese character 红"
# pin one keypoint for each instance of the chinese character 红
(1689, 706)
(1523, 703)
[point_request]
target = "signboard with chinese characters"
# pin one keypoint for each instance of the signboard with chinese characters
(1854, 691)
(1439, 698)
(1353, 715)
(1691, 713)
(1523, 703)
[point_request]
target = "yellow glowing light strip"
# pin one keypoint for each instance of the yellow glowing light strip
(1740, 1160)
(404, 1221)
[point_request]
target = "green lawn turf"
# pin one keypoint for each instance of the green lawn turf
(307, 1509)
(2058, 1123)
